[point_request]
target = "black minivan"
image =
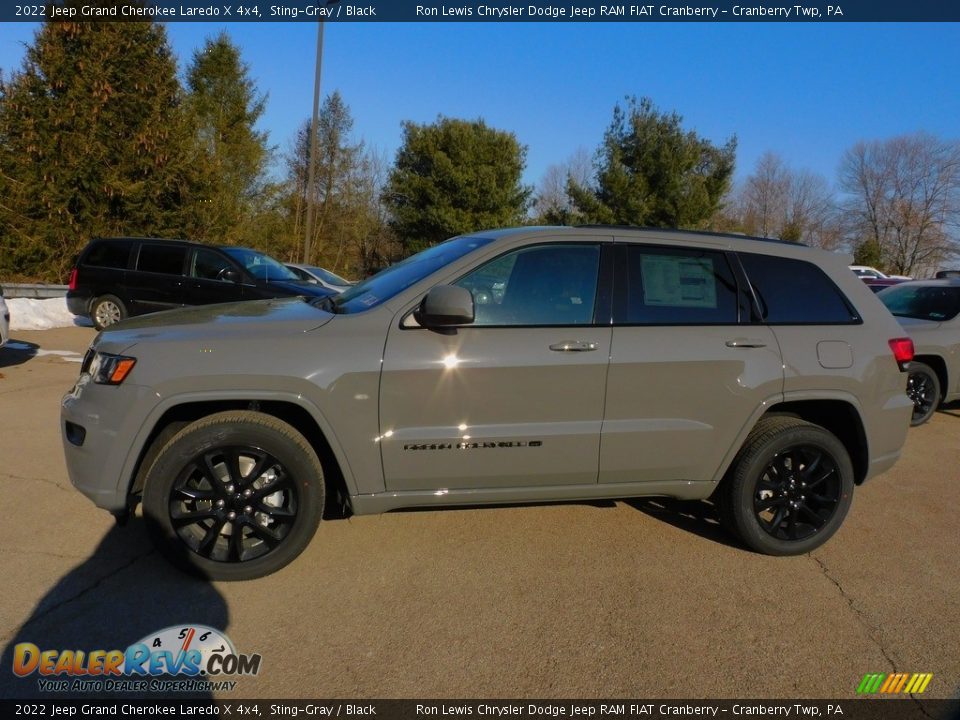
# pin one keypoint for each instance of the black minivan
(116, 278)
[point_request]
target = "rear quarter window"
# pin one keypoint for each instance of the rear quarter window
(796, 292)
(109, 254)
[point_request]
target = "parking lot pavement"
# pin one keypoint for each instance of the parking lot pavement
(640, 598)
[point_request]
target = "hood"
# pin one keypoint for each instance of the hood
(207, 323)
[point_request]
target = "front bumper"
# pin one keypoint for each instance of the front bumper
(99, 426)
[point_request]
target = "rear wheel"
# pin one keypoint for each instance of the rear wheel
(789, 489)
(923, 387)
(234, 496)
(107, 310)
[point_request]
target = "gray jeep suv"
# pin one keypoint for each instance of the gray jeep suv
(516, 365)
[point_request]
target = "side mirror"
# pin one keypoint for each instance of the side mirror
(446, 305)
(231, 275)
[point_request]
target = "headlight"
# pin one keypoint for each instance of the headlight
(106, 369)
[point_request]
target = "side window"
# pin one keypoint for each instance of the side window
(795, 292)
(540, 285)
(209, 265)
(109, 254)
(678, 286)
(166, 259)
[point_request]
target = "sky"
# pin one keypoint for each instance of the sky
(805, 91)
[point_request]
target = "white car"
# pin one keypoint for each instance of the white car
(870, 273)
(4, 320)
(319, 276)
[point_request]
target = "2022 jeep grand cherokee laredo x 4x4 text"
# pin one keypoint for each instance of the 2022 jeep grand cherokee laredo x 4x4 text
(518, 365)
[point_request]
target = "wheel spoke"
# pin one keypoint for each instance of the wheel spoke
(792, 525)
(819, 480)
(778, 518)
(815, 520)
(209, 540)
(236, 542)
(191, 518)
(231, 459)
(259, 468)
(824, 499)
(271, 538)
(196, 493)
(206, 467)
(773, 502)
(279, 483)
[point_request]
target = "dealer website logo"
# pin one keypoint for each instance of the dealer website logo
(892, 683)
(177, 658)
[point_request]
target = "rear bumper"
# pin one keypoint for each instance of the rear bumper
(887, 433)
(78, 304)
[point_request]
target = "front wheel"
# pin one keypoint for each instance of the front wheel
(923, 387)
(234, 496)
(789, 489)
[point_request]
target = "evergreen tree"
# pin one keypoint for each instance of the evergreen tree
(92, 142)
(650, 172)
(452, 177)
(224, 107)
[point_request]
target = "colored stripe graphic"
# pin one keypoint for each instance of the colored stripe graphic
(911, 683)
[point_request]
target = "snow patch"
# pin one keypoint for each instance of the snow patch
(33, 314)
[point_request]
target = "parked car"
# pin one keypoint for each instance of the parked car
(870, 273)
(4, 320)
(928, 311)
(944, 274)
(611, 363)
(116, 278)
(319, 276)
(878, 284)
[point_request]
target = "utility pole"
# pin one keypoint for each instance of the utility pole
(312, 169)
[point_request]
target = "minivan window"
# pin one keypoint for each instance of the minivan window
(210, 265)
(166, 259)
(795, 292)
(675, 286)
(109, 254)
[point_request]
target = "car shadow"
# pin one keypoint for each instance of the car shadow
(124, 592)
(699, 517)
(17, 352)
(952, 409)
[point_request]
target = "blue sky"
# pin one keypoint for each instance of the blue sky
(805, 91)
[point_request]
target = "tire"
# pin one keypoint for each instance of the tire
(923, 387)
(789, 488)
(206, 501)
(107, 310)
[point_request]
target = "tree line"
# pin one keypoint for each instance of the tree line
(99, 136)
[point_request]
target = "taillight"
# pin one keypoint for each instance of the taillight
(902, 351)
(73, 280)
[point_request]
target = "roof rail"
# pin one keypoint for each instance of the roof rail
(708, 233)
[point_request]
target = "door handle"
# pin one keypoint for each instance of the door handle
(746, 343)
(573, 346)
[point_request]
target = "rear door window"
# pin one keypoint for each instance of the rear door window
(164, 259)
(678, 286)
(796, 292)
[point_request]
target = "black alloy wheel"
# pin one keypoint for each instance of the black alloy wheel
(233, 504)
(234, 496)
(923, 388)
(797, 493)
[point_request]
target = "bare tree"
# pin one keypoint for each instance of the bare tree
(903, 200)
(776, 201)
(552, 204)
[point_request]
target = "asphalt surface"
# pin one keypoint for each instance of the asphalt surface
(632, 599)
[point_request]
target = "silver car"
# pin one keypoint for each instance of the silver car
(518, 365)
(929, 311)
(319, 276)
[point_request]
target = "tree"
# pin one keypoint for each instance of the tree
(224, 107)
(651, 172)
(903, 200)
(552, 205)
(92, 142)
(452, 177)
(776, 201)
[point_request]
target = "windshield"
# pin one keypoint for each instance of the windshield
(385, 284)
(327, 276)
(923, 302)
(262, 267)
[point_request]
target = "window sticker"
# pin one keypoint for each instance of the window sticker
(678, 281)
